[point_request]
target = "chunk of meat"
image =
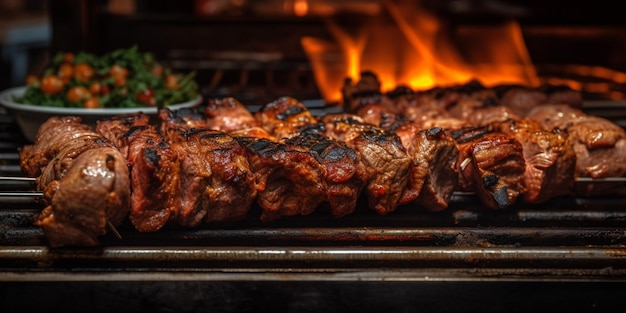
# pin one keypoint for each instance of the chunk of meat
(92, 196)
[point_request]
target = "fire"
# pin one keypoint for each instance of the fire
(405, 45)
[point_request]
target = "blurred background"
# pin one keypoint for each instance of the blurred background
(259, 50)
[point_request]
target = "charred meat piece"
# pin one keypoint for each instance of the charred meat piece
(216, 180)
(491, 164)
(550, 160)
(232, 117)
(366, 90)
(488, 115)
(288, 177)
(524, 99)
(599, 144)
(343, 174)
(53, 135)
(59, 141)
(64, 156)
(155, 178)
(284, 117)
(182, 119)
(433, 175)
(154, 170)
(386, 160)
(91, 197)
(114, 127)
(470, 102)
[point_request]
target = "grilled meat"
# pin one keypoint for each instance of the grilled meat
(599, 144)
(343, 172)
(284, 117)
(386, 160)
(289, 178)
(73, 164)
(154, 170)
(493, 114)
(113, 128)
(231, 116)
(523, 99)
(433, 173)
(55, 135)
(216, 180)
(550, 162)
(91, 197)
(491, 164)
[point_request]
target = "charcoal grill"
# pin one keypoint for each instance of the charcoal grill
(566, 254)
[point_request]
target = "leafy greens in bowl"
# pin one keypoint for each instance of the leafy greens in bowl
(124, 78)
(94, 87)
(29, 117)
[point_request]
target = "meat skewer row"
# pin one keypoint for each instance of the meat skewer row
(305, 171)
(321, 142)
(554, 136)
(386, 166)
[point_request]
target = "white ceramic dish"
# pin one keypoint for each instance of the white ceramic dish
(30, 117)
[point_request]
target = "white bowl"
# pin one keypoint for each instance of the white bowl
(29, 117)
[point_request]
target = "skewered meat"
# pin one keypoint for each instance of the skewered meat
(550, 162)
(216, 179)
(53, 136)
(343, 172)
(84, 179)
(523, 99)
(113, 128)
(433, 174)
(599, 144)
(491, 164)
(231, 116)
(386, 161)
(154, 170)
(284, 117)
(288, 177)
(90, 198)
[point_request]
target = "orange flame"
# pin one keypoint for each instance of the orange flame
(405, 45)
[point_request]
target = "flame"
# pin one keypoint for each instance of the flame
(405, 45)
(301, 7)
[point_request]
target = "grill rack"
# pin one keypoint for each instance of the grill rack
(571, 242)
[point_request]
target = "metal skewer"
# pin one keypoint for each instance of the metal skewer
(601, 180)
(17, 178)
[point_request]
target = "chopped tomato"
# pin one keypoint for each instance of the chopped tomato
(147, 97)
(157, 70)
(171, 82)
(31, 80)
(120, 81)
(117, 71)
(83, 72)
(66, 71)
(95, 88)
(91, 103)
(51, 85)
(77, 94)
(68, 58)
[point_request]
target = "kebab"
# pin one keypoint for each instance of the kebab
(76, 166)
(284, 113)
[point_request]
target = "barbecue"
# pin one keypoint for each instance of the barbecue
(575, 242)
(207, 165)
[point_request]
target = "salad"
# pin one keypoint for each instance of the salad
(124, 78)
